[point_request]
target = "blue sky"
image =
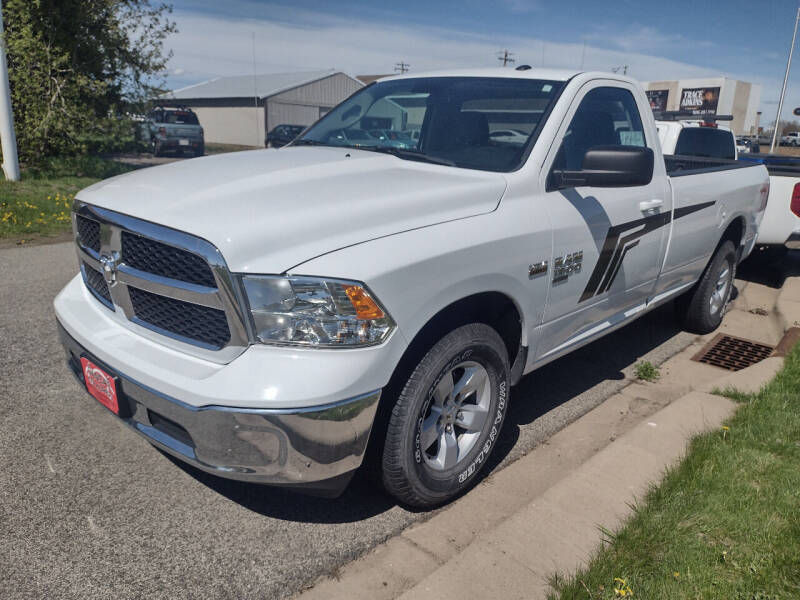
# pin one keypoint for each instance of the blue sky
(657, 39)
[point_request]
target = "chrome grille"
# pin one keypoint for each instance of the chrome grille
(198, 323)
(89, 233)
(165, 260)
(165, 284)
(97, 283)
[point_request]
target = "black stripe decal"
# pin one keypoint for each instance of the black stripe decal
(614, 249)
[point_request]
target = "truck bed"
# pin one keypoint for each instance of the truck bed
(678, 166)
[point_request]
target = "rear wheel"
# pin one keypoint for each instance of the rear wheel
(702, 308)
(447, 419)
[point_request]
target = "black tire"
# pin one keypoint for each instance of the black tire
(409, 472)
(200, 151)
(696, 309)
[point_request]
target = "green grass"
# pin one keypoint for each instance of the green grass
(40, 203)
(725, 523)
(646, 371)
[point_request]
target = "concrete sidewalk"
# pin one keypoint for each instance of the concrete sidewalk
(545, 513)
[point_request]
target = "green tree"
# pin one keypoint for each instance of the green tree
(77, 66)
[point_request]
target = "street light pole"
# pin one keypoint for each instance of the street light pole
(8, 139)
(785, 81)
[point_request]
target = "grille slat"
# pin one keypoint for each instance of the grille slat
(89, 233)
(97, 283)
(161, 259)
(200, 323)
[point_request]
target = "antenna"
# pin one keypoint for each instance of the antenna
(505, 56)
(402, 67)
(255, 92)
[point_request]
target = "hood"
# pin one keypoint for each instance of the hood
(269, 210)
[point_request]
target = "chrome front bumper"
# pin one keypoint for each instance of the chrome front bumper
(315, 450)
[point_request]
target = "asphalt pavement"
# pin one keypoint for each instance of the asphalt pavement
(88, 509)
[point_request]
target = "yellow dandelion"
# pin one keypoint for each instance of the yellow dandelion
(676, 574)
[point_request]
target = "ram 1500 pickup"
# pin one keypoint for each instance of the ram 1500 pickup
(281, 316)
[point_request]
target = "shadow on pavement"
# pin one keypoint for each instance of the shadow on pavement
(360, 500)
(554, 384)
(770, 266)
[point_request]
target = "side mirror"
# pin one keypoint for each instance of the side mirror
(609, 166)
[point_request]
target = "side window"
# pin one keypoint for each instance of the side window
(607, 116)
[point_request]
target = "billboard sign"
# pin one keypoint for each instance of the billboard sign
(700, 101)
(657, 99)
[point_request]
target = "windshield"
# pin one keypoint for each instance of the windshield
(484, 123)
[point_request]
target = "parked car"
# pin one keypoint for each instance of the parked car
(791, 139)
(175, 129)
(282, 135)
(392, 138)
(780, 227)
(276, 317)
(747, 145)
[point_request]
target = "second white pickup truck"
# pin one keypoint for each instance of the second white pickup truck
(276, 316)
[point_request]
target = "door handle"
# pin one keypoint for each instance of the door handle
(650, 205)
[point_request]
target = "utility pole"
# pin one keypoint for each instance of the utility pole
(775, 131)
(505, 56)
(259, 139)
(401, 67)
(8, 138)
(623, 68)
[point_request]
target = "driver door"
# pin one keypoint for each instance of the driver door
(608, 242)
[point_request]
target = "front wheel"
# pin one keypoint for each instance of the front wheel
(447, 419)
(704, 306)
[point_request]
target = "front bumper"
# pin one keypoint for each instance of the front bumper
(316, 450)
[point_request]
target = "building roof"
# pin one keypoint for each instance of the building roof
(367, 79)
(244, 86)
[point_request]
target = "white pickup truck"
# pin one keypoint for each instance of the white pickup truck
(278, 316)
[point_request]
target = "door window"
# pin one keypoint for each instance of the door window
(607, 116)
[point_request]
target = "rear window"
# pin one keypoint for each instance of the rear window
(706, 141)
(180, 117)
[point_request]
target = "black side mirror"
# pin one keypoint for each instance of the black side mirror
(608, 166)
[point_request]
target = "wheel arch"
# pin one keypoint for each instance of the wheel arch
(493, 308)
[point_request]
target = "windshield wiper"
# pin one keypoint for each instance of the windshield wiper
(411, 155)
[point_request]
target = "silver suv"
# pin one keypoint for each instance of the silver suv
(175, 129)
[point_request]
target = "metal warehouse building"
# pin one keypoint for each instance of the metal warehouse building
(713, 95)
(242, 109)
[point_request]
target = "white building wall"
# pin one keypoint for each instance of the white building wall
(242, 125)
(736, 98)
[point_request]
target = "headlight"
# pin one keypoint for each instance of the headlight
(309, 311)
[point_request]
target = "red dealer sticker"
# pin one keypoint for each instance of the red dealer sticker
(100, 385)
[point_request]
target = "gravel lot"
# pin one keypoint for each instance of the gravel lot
(88, 509)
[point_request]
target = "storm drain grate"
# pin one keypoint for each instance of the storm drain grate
(732, 353)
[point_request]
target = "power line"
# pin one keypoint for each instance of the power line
(401, 67)
(505, 56)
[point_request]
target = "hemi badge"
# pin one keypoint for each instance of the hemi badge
(537, 268)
